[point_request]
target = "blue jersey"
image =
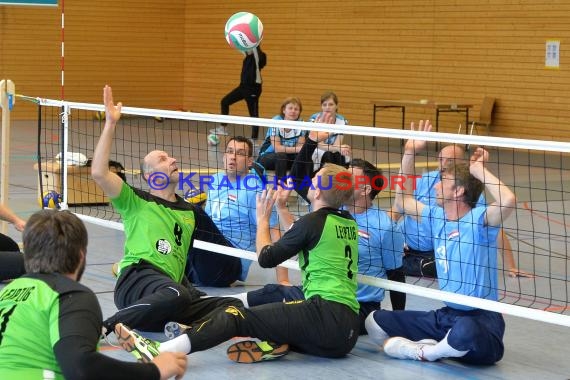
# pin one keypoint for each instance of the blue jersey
(418, 234)
(231, 205)
(290, 138)
(340, 120)
(465, 253)
(380, 248)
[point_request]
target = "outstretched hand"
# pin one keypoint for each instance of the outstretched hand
(171, 364)
(477, 161)
(112, 111)
(283, 192)
(516, 272)
(264, 205)
(414, 146)
(20, 224)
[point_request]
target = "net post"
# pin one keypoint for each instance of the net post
(7, 99)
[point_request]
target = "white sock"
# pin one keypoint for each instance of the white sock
(375, 332)
(442, 350)
(179, 344)
(242, 297)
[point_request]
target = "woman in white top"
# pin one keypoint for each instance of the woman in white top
(282, 144)
(331, 149)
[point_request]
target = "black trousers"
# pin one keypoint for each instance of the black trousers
(251, 96)
(314, 326)
(147, 299)
(302, 167)
(280, 162)
(275, 293)
(205, 268)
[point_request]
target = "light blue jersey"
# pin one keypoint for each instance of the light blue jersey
(290, 138)
(466, 253)
(380, 248)
(418, 234)
(231, 205)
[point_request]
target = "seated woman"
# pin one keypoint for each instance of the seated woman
(331, 149)
(282, 144)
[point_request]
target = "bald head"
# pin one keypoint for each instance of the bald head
(450, 153)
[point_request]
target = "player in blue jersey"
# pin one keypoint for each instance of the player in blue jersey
(419, 257)
(231, 205)
(281, 145)
(464, 238)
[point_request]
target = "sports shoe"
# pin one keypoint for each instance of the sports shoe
(174, 329)
(142, 348)
(402, 348)
(221, 130)
(250, 351)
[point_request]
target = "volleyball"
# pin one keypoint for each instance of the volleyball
(244, 31)
(99, 115)
(50, 199)
(195, 196)
(213, 139)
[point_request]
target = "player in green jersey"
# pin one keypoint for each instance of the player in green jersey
(325, 323)
(50, 324)
(160, 226)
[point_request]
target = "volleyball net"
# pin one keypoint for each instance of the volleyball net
(538, 172)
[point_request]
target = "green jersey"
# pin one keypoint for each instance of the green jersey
(327, 243)
(157, 231)
(36, 312)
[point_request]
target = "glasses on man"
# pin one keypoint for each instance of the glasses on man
(239, 152)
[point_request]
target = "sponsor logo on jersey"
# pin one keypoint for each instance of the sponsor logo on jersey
(453, 234)
(232, 197)
(163, 246)
(363, 234)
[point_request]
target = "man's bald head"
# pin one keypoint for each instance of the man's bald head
(450, 153)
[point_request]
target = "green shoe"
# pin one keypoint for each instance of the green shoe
(142, 348)
(250, 351)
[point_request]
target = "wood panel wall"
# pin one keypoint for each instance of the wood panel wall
(445, 51)
(172, 54)
(136, 46)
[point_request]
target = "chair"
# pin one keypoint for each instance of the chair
(485, 115)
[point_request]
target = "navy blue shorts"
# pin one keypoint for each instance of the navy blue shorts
(274, 293)
(478, 331)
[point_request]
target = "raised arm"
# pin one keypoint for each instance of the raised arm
(505, 199)
(110, 182)
(8, 215)
(264, 206)
(405, 201)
